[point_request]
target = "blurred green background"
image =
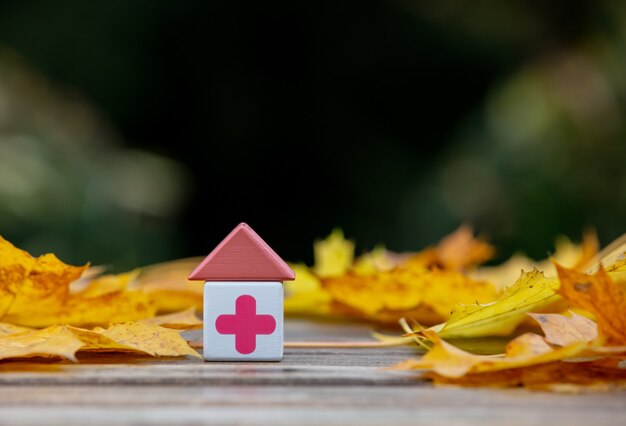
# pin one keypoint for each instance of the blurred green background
(138, 131)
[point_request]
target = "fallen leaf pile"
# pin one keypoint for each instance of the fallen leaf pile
(44, 304)
(378, 286)
(383, 287)
(560, 324)
(573, 353)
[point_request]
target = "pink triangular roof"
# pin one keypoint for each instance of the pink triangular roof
(242, 256)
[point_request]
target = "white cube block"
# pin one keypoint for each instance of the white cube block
(243, 321)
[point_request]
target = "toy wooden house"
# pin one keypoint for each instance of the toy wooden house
(243, 299)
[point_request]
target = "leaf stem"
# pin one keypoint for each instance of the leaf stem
(335, 345)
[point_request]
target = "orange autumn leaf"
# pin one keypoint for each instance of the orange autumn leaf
(599, 295)
(456, 251)
(460, 249)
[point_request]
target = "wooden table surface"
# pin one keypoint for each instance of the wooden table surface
(309, 387)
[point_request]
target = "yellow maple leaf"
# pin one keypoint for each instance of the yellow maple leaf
(599, 295)
(43, 291)
(150, 339)
(334, 255)
(445, 289)
(29, 286)
(305, 295)
(95, 341)
(168, 287)
(65, 341)
(565, 253)
(105, 284)
(101, 301)
(374, 261)
(7, 329)
(531, 291)
(398, 290)
(612, 257)
(406, 292)
(56, 341)
(105, 309)
(382, 286)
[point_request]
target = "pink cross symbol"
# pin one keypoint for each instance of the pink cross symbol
(245, 324)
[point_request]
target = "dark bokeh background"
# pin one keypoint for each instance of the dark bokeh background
(138, 131)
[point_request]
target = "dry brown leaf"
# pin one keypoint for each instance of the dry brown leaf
(600, 296)
(561, 330)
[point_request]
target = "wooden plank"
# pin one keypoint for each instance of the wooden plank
(300, 367)
(313, 367)
(302, 405)
(310, 386)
